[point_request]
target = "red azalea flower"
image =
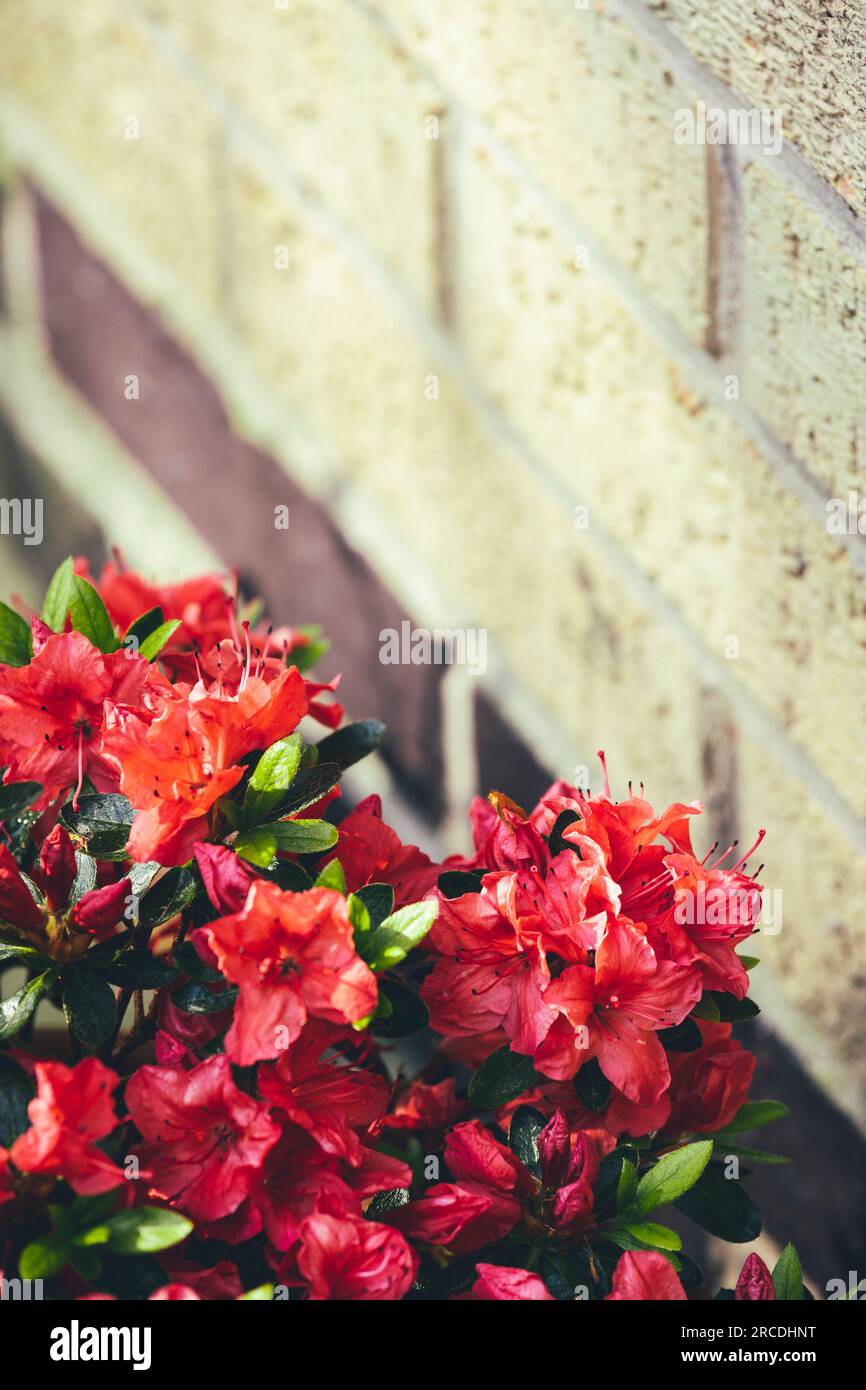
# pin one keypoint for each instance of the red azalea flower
(204, 1139)
(71, 1110)
(7, 1189)
(292, 955)
(498, 1282)
(350, 1258)
(327, 1096)
(425, 1108)
(709, 1085)
(755, 1284)
(371, 852)
(612, 1011)
(53, 711)
(642, 1275)
(481, 1205)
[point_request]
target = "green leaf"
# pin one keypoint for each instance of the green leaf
(672, 1176)
(788, 1276)
(754, 1114)
(592, 1086)
(16, 642)
(192, 965)
(557, 842)
(16, 1092)
(626, 1187)
(502, 1077)
(169, 896)
(308, 787)
(526, 1125)
(90, 615)
(707, 1009)
(89, 1006)
(274, 774)
(144, 625)
(315, 649)
(749, 962)
(303, 836)
(731, 1009)
(332, 876)
(257, 847)
(685, 1037)
(25, 955)
(16, 797)
(759, 1156)
(358, 915)
(145, 1230)
(140, 970)
(153, 644)
(397, 935)
(403, 1012)
(384, 1202)
(85, 877)
(102, 822)
(651, 1234)
(44, 1257)
(15, 1011)
(196, 998)
(262, 1293)
(351, 743)
(378, 898)
(58, 596)
(721, 1206)
(454, 883)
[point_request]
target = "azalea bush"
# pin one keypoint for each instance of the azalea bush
(251, 1047)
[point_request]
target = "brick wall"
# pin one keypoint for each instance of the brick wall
(439, 277)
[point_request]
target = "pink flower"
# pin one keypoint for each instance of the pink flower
(349, 1258)
(755, 1284)
(642, 1275)
(499, 1282)
(70, 1112)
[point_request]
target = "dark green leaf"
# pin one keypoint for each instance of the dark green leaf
(502, 1077)
(759, 1156)
(90, 615)
(526, 1125)
(16, 797)
(140, 970)
(308, 787)
(102, 822)
(384, 1202)
(44, 1257)
(686, 1037)
(378, 898)
(16, 1092)
(626, 1187)
(351, 743)
(89, 1006)
(58, 596)
(592, 1086)
(332, 876)
(153, 644)
(196, 998)
(144, 625)
(404, 1012)
(169, 896)
(730, 1009)
(721, 1206)
(754, 1114)
(454, 883)
(557, 842)
(24, 954)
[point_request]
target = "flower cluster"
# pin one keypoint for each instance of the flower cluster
(210, 972)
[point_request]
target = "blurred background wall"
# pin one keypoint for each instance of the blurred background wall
(440, 277)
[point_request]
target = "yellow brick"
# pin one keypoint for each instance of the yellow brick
(805, 306)
(797, 56)
(592, 114)
(691, 501)
(87, 73)
(818, 959)
(339, 103)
